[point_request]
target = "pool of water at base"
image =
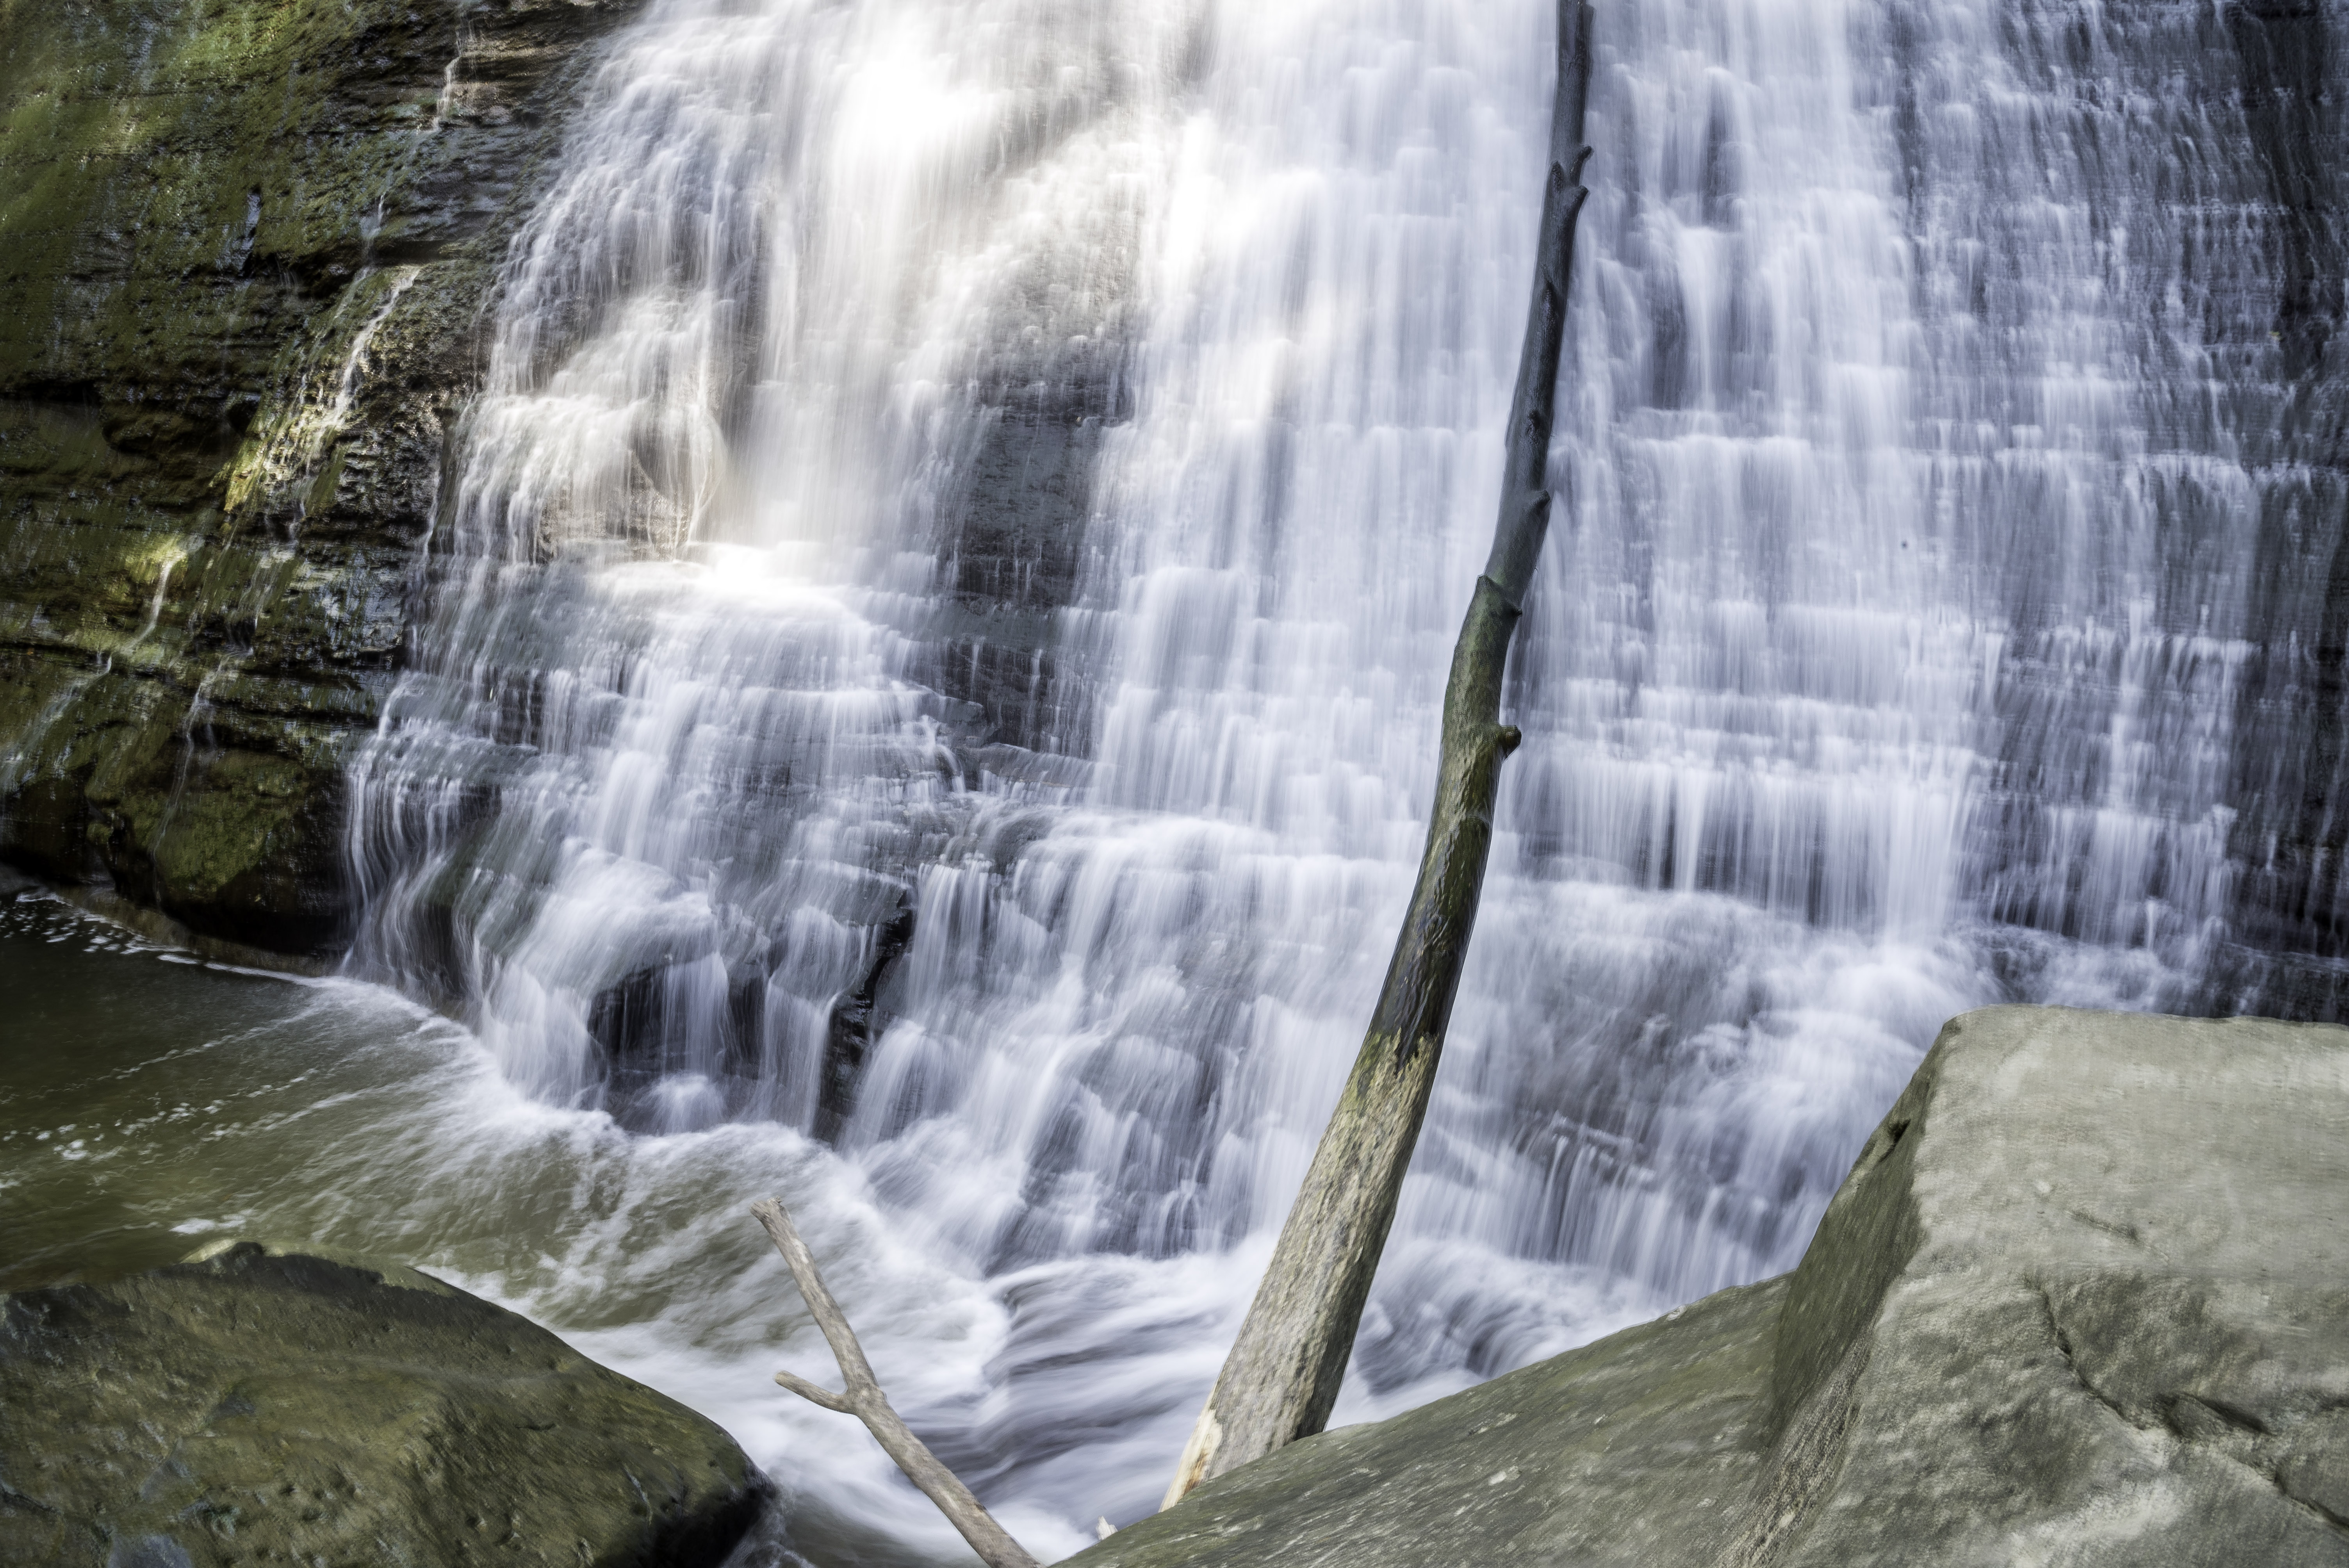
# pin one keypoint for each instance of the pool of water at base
(150, 1104)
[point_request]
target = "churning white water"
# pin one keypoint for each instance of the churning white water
(938, 629)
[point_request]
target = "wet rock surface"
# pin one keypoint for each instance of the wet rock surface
(243, 256)
(259, 1407)
(2084, 1300)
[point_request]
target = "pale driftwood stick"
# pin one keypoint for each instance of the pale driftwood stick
(863, 1399)
(1285, 1367)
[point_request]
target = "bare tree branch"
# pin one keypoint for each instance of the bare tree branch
(814, 1394)
(863, 1399)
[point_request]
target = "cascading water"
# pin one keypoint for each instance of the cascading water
(938, 623)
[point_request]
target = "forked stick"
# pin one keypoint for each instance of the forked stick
(862, 1399)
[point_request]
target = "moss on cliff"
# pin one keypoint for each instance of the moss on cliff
(244, 249)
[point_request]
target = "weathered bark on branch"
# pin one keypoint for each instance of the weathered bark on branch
(863, 1399)
(1282, 1376)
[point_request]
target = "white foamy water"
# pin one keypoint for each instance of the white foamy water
(1016, 897)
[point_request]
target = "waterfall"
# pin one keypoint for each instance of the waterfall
(937, 624)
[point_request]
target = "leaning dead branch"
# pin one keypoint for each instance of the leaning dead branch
(862, 1399)
(1284, 1369)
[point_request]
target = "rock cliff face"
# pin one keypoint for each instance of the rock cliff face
(257, 1408)
(244, 251)
(2084, 1299)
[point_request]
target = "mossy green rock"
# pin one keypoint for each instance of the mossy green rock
(246, 251)
(2084, 1300)
(257, 1408)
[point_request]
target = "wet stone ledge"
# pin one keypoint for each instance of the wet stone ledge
(244, 254)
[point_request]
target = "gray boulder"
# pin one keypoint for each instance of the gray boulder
(263, 1409)
(2084, 1300)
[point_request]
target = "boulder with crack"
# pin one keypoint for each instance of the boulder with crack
(2084, 1300)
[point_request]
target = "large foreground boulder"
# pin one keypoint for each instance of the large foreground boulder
(2084, 1300)
(260, 1408)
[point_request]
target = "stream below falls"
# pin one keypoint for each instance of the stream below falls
(932, 644)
